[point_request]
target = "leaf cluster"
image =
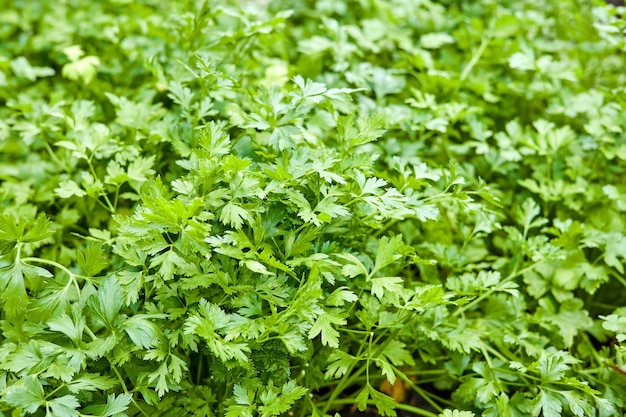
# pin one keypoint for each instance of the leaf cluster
(229, 208)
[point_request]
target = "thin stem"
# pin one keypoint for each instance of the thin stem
(54, 157)
(442, 400)
(117, 197)
(108, 206)
(475, 58)
(51, 263)
(349, 378)
(491, 367)
(313, 407)
(351, 202)
(398, 406)
(344, 381)
(353, 331)
(618, 278)
(369, 356)
(477, 300)
(125, 388)
(385, 227)
(51, 393)
(302, 226)
(436, 197)
(518, 374)
(57, 265)
(420, 372)
(359, 297)
(199, 370)
(91, 333)
(494, 352)
(417, 389)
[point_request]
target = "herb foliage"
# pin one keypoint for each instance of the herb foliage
(222, 209)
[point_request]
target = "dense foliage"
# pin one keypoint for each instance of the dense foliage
(246, 209)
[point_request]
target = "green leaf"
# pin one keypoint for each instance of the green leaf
(310, 90)
(14, 297)
(141, 331)
(506, 25)
(93, 260)
(63, 407)
(397, 354)
(275, 402)
(209, 324)
(456, 413)
(234, 215)
(40, 229)
(436, 40)
(324, 325)
(114, 406)
(257, 267)
(27, 394)
(554, 365)
(341, 296)
(72, 329)
(339, 363)
(354, 267)
(108, 301)
(22, 68)
(570, 319)
(548, 404)
(12, 230)
(385, 404)
(386, 285)
(387, 252)
(91, 382)
(139, 170)
(83, 69)
(69, 188)
(294, 342)
(615, 323)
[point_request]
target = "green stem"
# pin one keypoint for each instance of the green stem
(417, 389)
(51, 263)
(349, 378)
(477, 300)
(420, 372)
(475, 58)
(354, 331)
(108, 206)
(369, 356)
(398, 406)
(125, 388)
(618, 278)
(199, 370)
(344, 382)
(57, 265)
(359, 297)
(436, 197)
(117, 197)
(104, 206)
(491, 367)
(51, 393)
(385, 227)
(55, 158)
(91, 333)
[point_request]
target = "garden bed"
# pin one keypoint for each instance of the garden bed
(312, 208)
